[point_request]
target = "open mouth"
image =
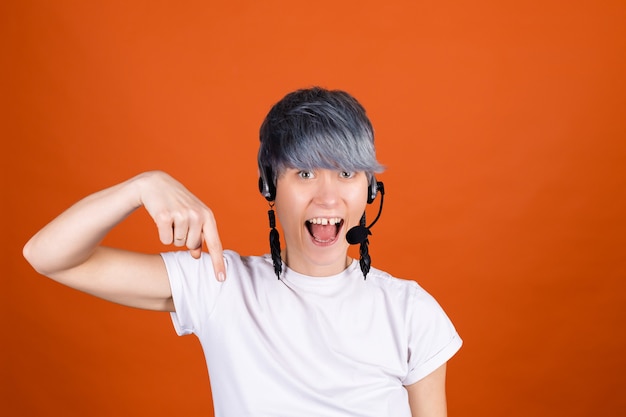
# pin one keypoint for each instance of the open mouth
(324, 229)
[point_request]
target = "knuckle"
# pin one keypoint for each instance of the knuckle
(162, 216)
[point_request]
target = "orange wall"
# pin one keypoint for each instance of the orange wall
(503, 127)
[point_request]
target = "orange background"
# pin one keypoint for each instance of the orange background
(503, 126)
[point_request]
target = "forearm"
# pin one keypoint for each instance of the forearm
(71, 238)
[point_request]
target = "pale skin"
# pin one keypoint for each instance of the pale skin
(69, 248)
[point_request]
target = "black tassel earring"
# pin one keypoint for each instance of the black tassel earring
(275, 243)
(366, 261)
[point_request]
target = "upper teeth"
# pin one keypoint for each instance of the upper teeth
(324, 221)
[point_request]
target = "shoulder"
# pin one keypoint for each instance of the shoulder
(409, 294)
(389, 283)
(431, 337)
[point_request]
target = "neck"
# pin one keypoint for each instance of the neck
(315, 268)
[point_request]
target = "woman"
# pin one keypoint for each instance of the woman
(331, 336)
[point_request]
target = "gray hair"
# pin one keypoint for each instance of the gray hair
(317, 128)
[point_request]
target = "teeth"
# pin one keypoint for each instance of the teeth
(325, 220)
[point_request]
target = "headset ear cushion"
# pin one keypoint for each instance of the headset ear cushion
(271, 191)
(262, 187)
(372, 190)
(266, 183)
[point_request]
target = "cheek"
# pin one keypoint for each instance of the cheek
(287, 207)
(359, 198)
(358, 205)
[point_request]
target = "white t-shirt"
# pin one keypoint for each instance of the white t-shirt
(308, 346)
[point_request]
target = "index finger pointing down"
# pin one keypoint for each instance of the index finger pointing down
(214, 247)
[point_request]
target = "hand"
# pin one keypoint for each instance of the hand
(181, 218)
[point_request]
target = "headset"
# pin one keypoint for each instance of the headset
(266, 183)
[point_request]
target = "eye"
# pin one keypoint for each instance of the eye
(346, 174)
(305, 174)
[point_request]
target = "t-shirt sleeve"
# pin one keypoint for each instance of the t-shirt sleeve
(194, 290)
(433, 340)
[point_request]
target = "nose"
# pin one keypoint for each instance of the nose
(327, 191)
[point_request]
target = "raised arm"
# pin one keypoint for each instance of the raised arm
(68, 249)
